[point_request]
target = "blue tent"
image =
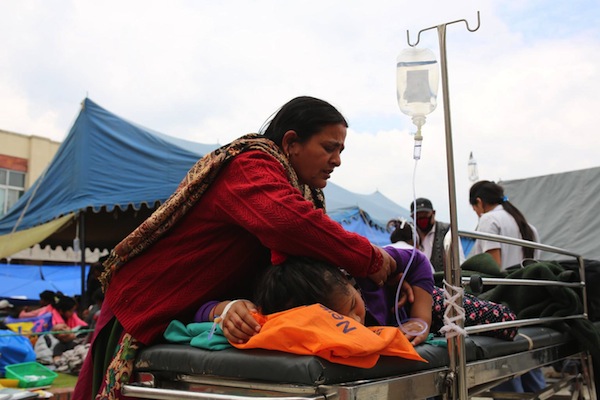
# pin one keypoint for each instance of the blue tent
(28, 281)
(110, 174)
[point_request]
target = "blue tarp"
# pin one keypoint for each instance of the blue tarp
(28, 281)
(107, 162)
(353, 219)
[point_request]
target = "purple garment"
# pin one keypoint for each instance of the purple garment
(204, 311)
(380, 301)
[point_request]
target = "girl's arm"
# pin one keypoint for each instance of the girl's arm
(496, 255)
(421, 308)
(238, 323)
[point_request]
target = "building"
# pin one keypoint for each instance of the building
(23, 159)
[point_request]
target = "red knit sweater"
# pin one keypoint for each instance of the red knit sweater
(217, 249)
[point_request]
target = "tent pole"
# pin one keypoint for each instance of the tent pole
(82, 249)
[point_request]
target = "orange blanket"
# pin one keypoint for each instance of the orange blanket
(317, 330)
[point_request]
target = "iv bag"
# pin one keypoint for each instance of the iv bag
(417, 81)
(473, 171)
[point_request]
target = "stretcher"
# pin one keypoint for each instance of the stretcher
(468, 366)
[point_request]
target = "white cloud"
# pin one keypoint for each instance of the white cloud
(523, 88)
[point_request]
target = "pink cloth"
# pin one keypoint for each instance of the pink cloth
(36, 312)
(72, 322)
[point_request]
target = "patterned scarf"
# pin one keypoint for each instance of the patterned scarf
(190, 190)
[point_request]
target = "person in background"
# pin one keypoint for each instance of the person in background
(47, 298)
(64, 311)
(93, 282)
(402, 234)
(499, 216)
(93, 312)
(431, 233)
(6, 308)
(66, 341)
(250, 202)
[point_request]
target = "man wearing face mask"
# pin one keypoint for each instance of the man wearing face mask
(431, 233)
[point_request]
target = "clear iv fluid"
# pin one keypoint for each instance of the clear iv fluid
(417, 81)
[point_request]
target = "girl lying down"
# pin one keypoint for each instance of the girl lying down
(302, 281)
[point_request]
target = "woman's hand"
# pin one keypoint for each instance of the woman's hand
(238, 323)
(387, 268)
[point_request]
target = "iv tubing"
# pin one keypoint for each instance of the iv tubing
(412, 256)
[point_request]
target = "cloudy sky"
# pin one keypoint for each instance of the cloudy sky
(523, 88)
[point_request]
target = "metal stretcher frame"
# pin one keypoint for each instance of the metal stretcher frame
(473, 364)
(457, 367)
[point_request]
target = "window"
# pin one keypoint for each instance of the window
(12, 187)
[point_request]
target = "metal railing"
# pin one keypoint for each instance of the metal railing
(452, 275)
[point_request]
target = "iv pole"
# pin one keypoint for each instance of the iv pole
(456, 344)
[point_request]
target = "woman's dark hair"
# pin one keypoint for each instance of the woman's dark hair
(402, 231)
(306, 116)
(64, 303)
(492, 193)
(298, 282)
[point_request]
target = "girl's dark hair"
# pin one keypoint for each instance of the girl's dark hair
(402, 231)
(64, 303)
(306, 116)
(492, 193)
(299, 282)
(48, 296)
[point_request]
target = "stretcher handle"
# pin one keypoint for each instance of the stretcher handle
(171, 394)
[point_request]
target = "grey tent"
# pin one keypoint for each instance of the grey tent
(564, 209)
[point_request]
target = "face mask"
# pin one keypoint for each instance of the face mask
(424, 224)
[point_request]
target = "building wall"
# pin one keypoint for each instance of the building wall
(29, 154)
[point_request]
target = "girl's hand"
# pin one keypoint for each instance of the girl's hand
(407, 294)
(415, 340)
(420, 309)
(238, 323)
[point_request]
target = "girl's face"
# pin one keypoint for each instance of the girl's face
(478, 207)
(67, 314)
(352, 305)
(315, 159)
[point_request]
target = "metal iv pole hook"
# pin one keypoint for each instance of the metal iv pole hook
(434, 27)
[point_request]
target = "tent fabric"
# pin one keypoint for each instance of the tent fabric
(564, 209)
(353, 219)
(379, 208)
(28, 281)
(112, 174)
(105, 161)
(14, 242)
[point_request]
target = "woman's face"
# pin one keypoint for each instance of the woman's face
(315, 159)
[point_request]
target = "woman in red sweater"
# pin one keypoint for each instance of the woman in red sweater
(241, 207)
